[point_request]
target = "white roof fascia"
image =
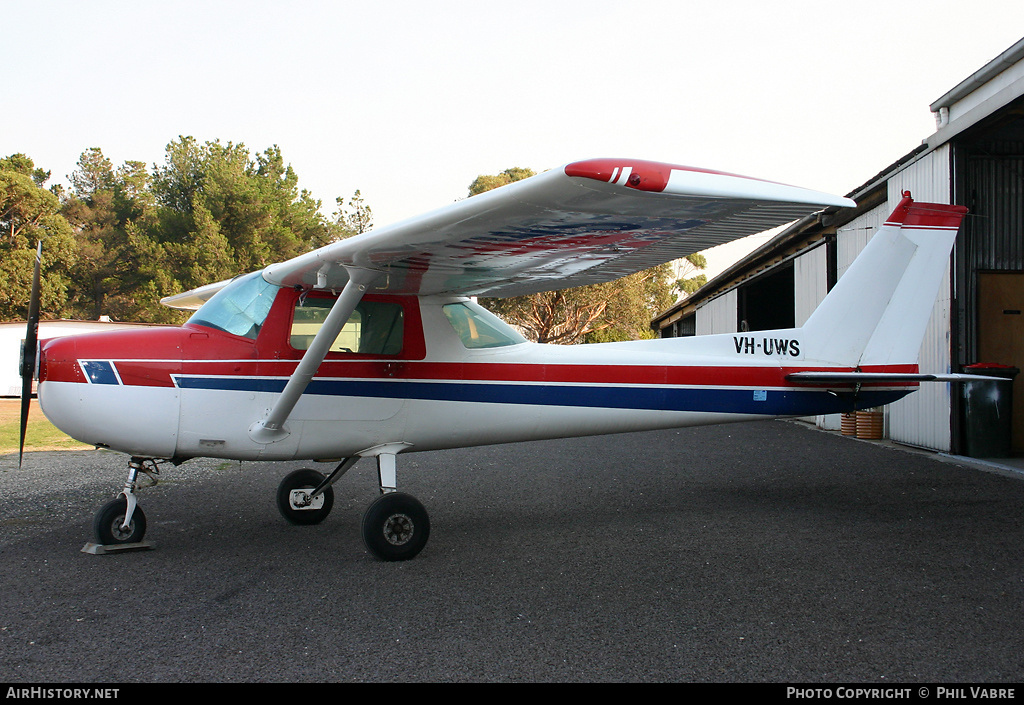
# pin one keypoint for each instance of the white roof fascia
(994, 86)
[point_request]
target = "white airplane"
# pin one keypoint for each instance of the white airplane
(372, 346)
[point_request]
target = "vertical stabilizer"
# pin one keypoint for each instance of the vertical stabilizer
(878, 311)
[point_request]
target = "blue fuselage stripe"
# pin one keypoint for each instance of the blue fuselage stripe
(772, 402)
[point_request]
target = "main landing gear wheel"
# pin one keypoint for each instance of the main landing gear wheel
(396, 527)
(294, 501)
(108, 520)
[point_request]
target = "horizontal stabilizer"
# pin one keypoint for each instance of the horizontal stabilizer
(873, 377)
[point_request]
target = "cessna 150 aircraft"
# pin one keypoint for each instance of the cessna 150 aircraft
(373, 346)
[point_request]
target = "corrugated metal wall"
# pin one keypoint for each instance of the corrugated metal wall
(854, 236)
(718, 315)
(923, 418)
(997, 189)
(810, 282)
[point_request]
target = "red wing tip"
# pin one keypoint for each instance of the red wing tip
(638, 174)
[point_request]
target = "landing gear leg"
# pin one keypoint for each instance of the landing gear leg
(396, 526)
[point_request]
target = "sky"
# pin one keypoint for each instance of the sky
(408, 102)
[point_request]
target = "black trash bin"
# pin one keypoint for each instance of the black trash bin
(988, 411)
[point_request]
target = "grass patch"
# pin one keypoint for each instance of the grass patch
(40, 435)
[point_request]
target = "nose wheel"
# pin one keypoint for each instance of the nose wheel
(109, 524)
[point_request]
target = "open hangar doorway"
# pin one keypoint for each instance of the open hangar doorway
(988, 168)
(767, 301)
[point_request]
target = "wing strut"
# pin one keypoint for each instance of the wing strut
(272, 429)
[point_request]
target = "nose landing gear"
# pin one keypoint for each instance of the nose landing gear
(121, 523)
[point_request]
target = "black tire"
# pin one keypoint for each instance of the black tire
(106, 525)
(396, 527)
(299, 480)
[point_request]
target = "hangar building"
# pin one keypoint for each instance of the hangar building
(975, 158)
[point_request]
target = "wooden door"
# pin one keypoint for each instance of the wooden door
(1001, 334)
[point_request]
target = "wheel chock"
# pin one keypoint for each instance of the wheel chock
(98, 549)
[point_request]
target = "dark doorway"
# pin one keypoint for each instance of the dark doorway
(768, 302)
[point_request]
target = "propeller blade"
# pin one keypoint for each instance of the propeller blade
(28, 355)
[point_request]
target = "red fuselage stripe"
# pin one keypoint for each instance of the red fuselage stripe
(158, 373)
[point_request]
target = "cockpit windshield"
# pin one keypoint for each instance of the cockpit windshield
(239, 308)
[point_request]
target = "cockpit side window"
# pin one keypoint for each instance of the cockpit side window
(479, 328)
(375, 327)
(240, 308)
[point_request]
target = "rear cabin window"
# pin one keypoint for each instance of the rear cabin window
(375, 327)
(479, 328)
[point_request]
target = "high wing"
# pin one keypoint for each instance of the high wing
(584, 223)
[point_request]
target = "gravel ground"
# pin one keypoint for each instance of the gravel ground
(762, 552)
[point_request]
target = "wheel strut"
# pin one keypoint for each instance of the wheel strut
(135, 466)
(396, 526)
